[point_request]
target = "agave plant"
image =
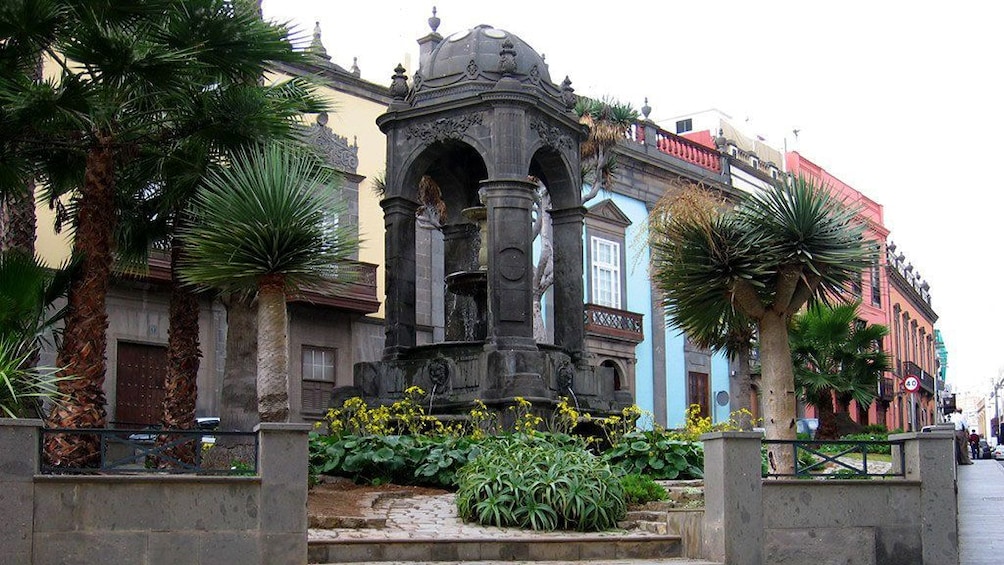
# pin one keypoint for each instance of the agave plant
(24, 388)
(263, 226)
(27, 321)
(779, 249)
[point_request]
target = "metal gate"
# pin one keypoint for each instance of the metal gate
(139, 387)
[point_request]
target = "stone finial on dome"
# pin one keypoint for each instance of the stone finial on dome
(507, 58)
(399, 83)
(355, 66)
(434, 21)
(316, 47)
(568, 93)
(646, 109)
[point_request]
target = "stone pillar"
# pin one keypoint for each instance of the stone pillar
(930, 459)
(399, 275)
(510, 263)
(569, 329)
(18, 465)
(733, 498)
(651, 133)
(282, 465)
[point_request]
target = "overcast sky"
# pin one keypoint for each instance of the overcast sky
(901, 100)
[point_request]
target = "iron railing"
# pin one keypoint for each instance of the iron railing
(839, 459)
(119, 451)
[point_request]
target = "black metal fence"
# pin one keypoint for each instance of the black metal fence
(119, 451)
(841, 459)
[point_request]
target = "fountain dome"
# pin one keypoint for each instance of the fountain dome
(477, 59)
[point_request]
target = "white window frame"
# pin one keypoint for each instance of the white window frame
(317, 358)
(613, 269)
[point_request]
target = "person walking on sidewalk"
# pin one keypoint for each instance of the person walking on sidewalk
(974, 444)
(961, 438)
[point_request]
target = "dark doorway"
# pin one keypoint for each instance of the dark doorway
(139, 387)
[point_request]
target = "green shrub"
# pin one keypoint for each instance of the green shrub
(408, 460)
(875, 429)
(528, 482)
(639, 489)
(884, 448)
(656, 454)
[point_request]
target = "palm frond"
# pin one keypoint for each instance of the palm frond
(269, 213)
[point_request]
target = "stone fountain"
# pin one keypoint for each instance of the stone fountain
(479, 117)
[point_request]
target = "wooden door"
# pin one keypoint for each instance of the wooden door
(699, 392)
(139, 387)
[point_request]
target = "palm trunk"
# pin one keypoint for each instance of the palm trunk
(778, 382)
(273, 362)
(239, 399)
(827, 417)
(180, 388)
(741, 388)
(17, 213)
(239, 402)
(82, 354)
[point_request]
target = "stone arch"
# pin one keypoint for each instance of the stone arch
(620, 375)
(457, 167)
(551, 166)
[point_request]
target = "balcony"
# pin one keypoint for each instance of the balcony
(927, 383)
(676, 146)
(601, 321)
(886, 389)
(358, 296)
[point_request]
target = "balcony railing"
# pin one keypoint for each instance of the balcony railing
(676, 146)
(886, 391)
(359, 295)
(611, 322)
(926, 379)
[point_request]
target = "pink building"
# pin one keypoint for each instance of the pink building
(873, 288)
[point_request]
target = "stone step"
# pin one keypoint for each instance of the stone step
(654, 526)
(600, 548)
(646, 515)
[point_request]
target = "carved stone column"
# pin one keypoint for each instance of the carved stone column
(510, 263)
(569, 331)
(399, 275)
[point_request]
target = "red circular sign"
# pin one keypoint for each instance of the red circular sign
(911, 384)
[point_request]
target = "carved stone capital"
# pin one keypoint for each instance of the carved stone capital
(552, 135)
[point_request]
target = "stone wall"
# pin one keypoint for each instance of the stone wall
(154, 518)
(893, 521)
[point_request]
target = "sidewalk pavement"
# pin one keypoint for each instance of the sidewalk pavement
(981, 513)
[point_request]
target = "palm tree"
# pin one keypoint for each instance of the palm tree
(608, 122)
(137, 79)
(764, 260)
(736, 334)
(263, 226)
(836, 355)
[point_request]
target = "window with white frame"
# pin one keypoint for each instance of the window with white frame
(606, 272)
(318, 364)
(318, 378)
